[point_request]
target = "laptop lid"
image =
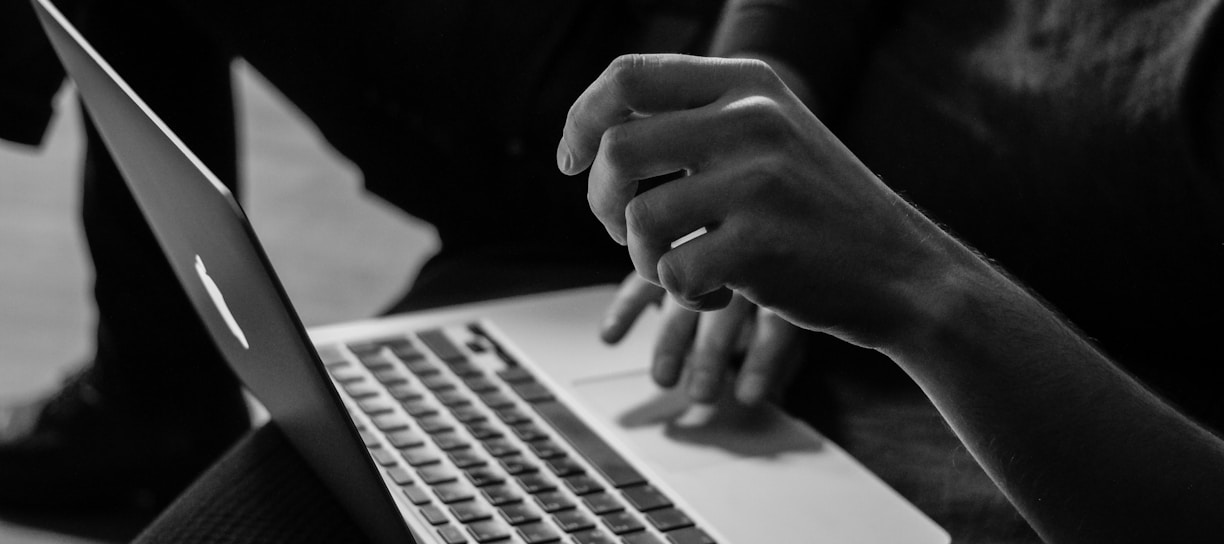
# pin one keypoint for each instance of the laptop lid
(213, 251)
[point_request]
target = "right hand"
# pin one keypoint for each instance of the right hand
(795, 222)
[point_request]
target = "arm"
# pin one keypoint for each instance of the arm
(798, 225)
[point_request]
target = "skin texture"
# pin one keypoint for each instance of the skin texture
(798, 226)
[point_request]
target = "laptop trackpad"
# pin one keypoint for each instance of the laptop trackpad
(669, 432)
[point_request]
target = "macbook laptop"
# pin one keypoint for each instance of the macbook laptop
(507, 421)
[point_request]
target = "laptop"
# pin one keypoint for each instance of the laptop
(506, 421)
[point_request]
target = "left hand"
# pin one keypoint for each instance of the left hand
(753, 347)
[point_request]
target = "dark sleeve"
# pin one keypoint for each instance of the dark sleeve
(1203, 94)
(826, 41)
(30, 74)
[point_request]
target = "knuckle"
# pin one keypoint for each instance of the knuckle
(640, 217)
(625, 70)
(761, 75)
(673, 278)
(764, 119)
(616, 147)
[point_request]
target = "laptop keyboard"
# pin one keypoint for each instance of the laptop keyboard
(486, 453)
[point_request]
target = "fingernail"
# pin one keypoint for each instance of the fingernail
(701, 387)
(616, 237)
(751, 389)
(564, 160)
(607, 329)
(662, 371)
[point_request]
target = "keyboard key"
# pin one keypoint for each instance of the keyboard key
(490, 530)
(400, 475)
(602, 503)
(383, 457)
(469, 511)
(365, 348)
(500, 447)
(563, 466)
(520, 513)
(536, 483)
(538, 533)
(464, 369)
(376, 405)
(435, 424)
(419, 457)
(622, 522)
(378, 360)
(583, 484)
(346, 373)
(452, 535)
(440, 344)
(645, 497)
(438, 382)
(545, 449)
(390, 376)
(480, 383)
(390, 422)
(554, 501)
(421, 367)
(592, 536)
(517, 464)
(515, 374)
(416, 495)
(451, 399)
(419, 409)
(454, 492)
(466, 458)
(512, 416)
(482, 476)
(406, 351)
(572, 521)
(641, 538)
(405, 392)
(483, 431)
(450, 441)
(528, 432)
(330, 354)
(498, 495)
(434, 515)
(607, 461)
(369, 438)
(668, 519)
(532, 391)
(496, 399)
(361, 390)
(691, 535)
(405, 438)
(467, 414)
(436, 474)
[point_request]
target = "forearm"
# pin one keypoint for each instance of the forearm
(1085, 452)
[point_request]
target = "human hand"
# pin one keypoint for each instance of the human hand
(752, 347)
(795, 222)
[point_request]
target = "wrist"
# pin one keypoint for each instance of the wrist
(943, 299)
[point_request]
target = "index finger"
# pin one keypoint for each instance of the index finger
(644, 84)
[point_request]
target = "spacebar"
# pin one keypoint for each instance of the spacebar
(609, 463)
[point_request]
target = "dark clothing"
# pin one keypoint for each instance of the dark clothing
(1070, 141)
